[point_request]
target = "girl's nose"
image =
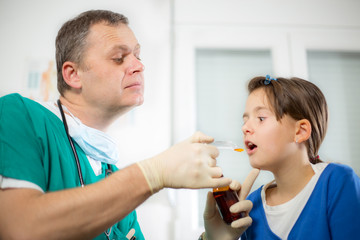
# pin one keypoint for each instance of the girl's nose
(246, 128)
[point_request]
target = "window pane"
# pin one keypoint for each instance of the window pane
(337, 75)
(221, 90)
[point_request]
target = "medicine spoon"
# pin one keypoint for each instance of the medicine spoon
(227, 145)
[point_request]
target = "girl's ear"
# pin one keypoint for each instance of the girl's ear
(302, 130)
(70, 75)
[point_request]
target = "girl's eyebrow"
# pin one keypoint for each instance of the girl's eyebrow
(257, 109)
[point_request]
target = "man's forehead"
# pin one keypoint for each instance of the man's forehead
(118, 35)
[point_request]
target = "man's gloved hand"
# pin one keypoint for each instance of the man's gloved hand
(215, 227)
(188, 164)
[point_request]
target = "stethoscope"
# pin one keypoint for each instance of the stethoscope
(108, 171)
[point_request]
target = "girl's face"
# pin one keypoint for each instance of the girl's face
(268, 142)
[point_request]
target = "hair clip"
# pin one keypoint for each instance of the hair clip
(268, 79)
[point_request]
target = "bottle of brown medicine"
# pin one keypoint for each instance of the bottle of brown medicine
(225, 198)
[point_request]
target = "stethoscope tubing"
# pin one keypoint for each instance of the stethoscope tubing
(71, 144)
(107, 172)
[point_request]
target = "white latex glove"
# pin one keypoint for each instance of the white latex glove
(188, 164)
(215, 227)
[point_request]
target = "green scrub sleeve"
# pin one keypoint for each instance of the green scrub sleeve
(20, 146)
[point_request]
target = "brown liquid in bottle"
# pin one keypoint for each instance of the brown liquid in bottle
(225, 198)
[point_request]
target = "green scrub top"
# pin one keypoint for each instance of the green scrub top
(34, 147)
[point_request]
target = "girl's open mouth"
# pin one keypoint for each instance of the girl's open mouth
(250, 147)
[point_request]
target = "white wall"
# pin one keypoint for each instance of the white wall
(28, 30)
(271, 13)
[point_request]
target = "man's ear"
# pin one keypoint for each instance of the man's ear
(70, 75)
(302, 130)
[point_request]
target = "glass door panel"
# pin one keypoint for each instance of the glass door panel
(337, 74)
(221, 92)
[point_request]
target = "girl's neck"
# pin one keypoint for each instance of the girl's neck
(290, 180)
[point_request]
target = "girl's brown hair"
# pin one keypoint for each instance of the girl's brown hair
(299, 99)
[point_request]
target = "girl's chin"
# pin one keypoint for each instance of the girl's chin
(256, 164)
(257, 167)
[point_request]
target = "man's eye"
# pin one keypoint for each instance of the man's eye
(137, 55)
(118, 60)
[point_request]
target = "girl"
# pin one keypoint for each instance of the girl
(285, 122)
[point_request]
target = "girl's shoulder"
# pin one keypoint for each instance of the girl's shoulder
(337, 175)
(339, 169)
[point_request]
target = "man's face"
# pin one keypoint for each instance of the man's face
(112, 74)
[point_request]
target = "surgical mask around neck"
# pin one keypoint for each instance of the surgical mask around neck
(95, 143)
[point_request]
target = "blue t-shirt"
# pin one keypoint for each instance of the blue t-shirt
(332, 211)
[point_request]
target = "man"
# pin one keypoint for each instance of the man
(49, 150)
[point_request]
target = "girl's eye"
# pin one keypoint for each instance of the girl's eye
(261, 119)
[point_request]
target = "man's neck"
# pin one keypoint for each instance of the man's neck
(90, 116)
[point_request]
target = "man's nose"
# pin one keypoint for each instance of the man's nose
(136, 65)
